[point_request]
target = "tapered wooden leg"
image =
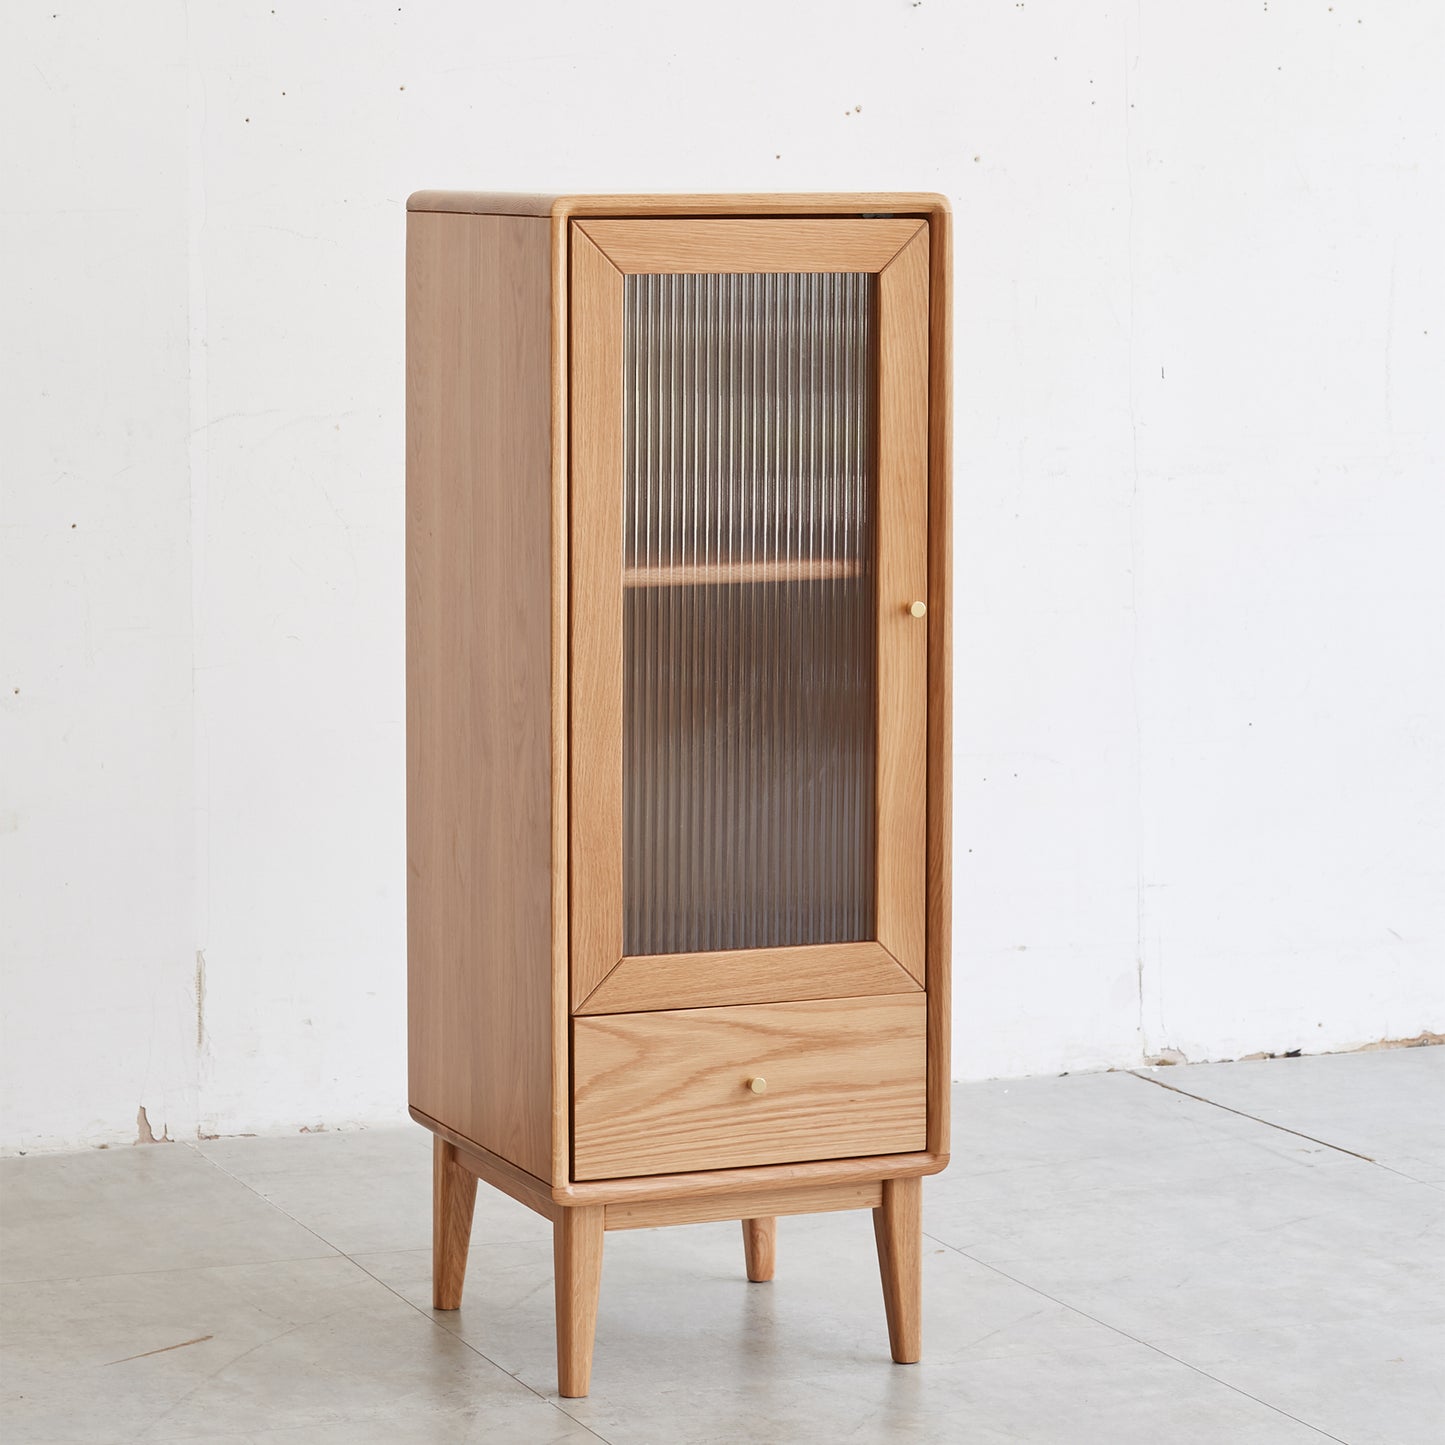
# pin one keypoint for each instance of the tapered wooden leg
(577, 1265)
(760, 1240)
(454, 1195)
(898, 1227)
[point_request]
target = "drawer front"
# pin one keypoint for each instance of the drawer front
(658, 1093)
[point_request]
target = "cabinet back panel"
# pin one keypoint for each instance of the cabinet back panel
(478, 633)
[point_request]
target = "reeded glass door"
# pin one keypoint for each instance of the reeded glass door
(749, 508)
(749, 681)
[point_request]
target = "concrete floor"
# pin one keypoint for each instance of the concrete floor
(1107, 1261)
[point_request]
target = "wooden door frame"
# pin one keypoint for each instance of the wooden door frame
(603, 980)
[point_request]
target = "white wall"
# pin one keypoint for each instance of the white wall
(97, 936)
(1200, 707)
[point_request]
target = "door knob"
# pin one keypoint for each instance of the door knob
(758, 1086)
(918, 609)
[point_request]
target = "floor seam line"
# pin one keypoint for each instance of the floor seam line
(567, 1414)
(271, 1203)
(1283, 1128)
(1124, 1334)
(1255, 1118)
(429, 1316)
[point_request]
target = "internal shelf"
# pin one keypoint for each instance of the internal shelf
(779, 569)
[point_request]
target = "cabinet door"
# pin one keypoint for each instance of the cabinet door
(749, 516)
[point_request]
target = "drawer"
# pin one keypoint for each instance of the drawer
(657, 1093)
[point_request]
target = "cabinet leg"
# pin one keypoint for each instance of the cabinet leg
(577, 1265)
(898, 1228)
(454, 1195)
(760, 1241)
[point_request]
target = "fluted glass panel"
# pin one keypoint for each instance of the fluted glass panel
(749, 712)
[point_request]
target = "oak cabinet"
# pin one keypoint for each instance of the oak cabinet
(678, 718)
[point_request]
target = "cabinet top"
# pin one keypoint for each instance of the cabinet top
(763, 203)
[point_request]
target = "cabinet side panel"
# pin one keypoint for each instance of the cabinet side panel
(478, 665)
(939, 971)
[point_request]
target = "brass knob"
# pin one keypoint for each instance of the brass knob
(918, 609)
(758, 1086)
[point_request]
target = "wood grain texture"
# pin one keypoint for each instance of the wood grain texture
(742, 203)
(710, 1183)
(492, 1169)
(748, 975)
(454, 1196)
(938, 972)
(645, 1203)
(698, 1187)
(561, 712)
(661, 247)
(724, 574)
(479, 699)
(760, 1247)
(661, 1092)
(596, 739)
(745, 1204)
(902, 579)
(898, 1230)
(577, 1277)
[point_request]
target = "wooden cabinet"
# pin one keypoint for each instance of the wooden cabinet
(678, 718)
